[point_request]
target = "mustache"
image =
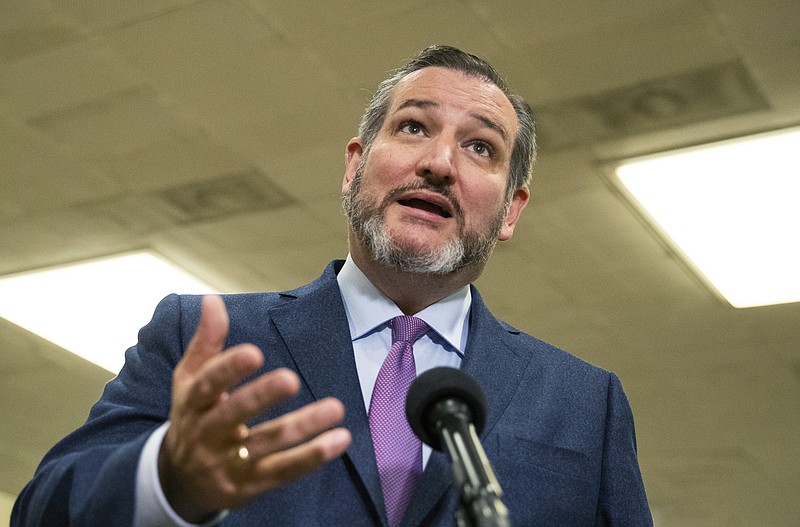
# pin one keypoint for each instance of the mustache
(445, 192)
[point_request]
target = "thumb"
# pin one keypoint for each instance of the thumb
(209, 338)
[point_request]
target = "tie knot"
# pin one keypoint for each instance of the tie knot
(407, 329)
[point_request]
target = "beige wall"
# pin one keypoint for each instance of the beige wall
(6, 501)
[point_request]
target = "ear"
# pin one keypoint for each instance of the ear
(352, 158)
(518, 203)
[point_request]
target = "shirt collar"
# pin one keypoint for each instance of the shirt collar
(368, 309)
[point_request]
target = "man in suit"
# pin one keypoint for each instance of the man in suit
(257, 409)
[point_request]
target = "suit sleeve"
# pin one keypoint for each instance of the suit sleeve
(622, 495)
(89, 477)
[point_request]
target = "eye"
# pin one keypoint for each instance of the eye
(482, 148)
(411, 127)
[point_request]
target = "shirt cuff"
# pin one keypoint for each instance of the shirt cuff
(151, 506)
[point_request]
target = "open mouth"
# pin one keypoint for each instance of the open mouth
(425, 205)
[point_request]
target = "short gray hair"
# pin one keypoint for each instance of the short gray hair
(523, 154)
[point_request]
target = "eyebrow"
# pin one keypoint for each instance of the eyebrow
(426, 103)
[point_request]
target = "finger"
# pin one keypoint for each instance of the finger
(285, 466)
(221, 373)
(295, 428)
(209, 338)
(255, 397)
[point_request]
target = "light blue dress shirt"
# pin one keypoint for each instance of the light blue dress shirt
(368, 312)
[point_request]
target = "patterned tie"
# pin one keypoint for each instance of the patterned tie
(397, 449)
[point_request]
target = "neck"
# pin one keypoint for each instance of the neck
(411, 292)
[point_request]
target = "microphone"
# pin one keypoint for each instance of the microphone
(446, 409)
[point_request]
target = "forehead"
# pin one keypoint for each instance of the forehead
(454, 90)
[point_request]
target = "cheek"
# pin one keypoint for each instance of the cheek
(483, 203)
(390, 162)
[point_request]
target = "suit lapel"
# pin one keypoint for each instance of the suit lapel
(315, 330)
(311, 326)
(492, 360)
(498, 369)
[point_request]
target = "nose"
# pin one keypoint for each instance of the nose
(438, 161)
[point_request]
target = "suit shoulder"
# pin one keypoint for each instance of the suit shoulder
(262, 299)
(549, 355)
(190, 303)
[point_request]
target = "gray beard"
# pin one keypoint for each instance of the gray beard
(368, 224)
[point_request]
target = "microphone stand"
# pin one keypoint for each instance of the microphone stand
(481, 503)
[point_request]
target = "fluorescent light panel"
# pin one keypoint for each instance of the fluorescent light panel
(733, 209)
(94, 308)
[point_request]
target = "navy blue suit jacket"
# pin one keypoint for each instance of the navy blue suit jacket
(559, 433)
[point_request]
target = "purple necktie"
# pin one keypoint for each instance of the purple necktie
(397, 450)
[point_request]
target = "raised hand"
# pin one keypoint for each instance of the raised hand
(210, 460)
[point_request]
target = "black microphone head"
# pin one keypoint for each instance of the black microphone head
(437, 385)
